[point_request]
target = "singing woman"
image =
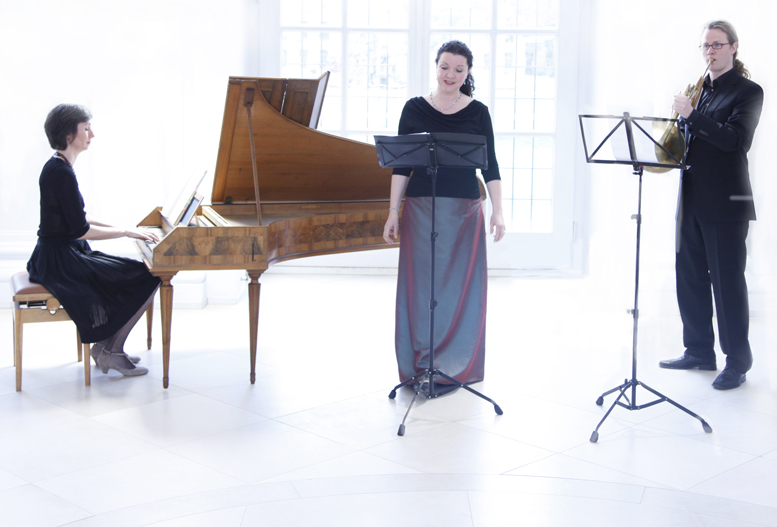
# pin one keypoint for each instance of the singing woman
(460, 266)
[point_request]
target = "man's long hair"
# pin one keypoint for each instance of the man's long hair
(731, 33)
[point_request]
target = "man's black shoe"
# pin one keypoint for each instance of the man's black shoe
(688, 362)
(728, 379)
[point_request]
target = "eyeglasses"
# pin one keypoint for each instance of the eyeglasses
(716, 45)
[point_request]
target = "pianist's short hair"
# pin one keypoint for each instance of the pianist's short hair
(62, 122)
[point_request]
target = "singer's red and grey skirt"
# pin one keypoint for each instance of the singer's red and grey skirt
(460, 288)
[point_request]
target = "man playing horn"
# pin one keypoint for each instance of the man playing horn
(714, 211)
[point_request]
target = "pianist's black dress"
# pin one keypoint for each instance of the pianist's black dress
(100, 292)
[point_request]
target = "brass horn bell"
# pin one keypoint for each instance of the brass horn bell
(671, 139)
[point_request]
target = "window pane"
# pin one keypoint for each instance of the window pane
(525, 115)
(524, 152)
(464, 14)
(357, 112)
(504, 114)
(507, 182)
(504, 154)
(545, 79)
(525, 69)
(524, 215)
(544, 115)
(526, 51)
(525, 82)
(519, 214)
(525, 184)
(377, 79)
(314, 13)
(307, 55)
(331, 113)
(395, 105)
(543, 152)
(378, 14)
(522, 183)
(527, 14)
(542, 184)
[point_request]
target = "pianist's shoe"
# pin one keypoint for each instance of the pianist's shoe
(97, 349)
(120, 362)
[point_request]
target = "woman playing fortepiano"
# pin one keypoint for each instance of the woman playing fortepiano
(460, 273)
(104, 295)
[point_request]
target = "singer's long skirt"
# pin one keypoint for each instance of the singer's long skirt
(460, 289)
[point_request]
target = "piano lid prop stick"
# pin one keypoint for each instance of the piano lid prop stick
(249, 102)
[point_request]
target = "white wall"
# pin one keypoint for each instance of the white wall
(637, 55)
(154, 75)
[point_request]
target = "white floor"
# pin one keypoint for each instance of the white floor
(314, 441)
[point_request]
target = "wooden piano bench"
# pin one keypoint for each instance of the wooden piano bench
(33, 303)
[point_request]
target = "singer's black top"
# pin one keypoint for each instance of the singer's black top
(418, 116)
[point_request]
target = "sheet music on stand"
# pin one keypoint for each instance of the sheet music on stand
(644, 132)
(178, 203)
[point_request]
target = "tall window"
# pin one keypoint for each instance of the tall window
(366, 44)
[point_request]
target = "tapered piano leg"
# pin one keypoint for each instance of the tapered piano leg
(149, 323)
(254, 288)
(166, 301)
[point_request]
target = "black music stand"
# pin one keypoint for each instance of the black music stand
(432, 151)
(626, 125)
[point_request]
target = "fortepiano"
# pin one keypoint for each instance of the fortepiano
(281, 190)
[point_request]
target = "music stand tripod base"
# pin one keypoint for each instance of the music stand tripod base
(631, 404)
(428, 389)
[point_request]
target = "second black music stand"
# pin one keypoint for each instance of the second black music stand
(624, 131)
(432, 151)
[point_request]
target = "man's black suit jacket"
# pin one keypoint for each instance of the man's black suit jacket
(721, 136)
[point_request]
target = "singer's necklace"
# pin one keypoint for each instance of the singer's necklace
(431, 96)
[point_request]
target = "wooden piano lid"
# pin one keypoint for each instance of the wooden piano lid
(295, 162)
